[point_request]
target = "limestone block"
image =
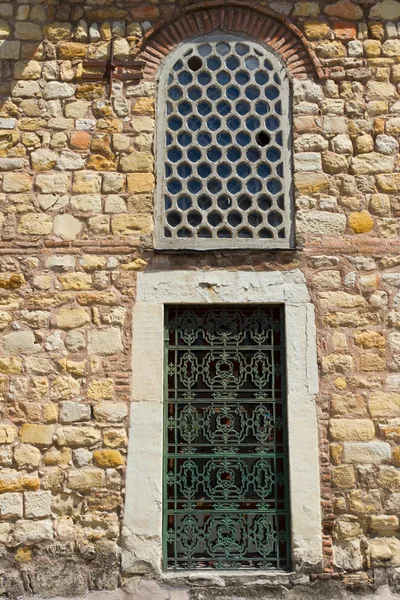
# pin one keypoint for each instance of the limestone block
(70, 161)
(379, 549)
(320, 223)
(73, 412)
(115, 437)
(27, 31)
(371, 361)
(136, 162)
(78, 437)
(58, 31)
(366, 453)
(55, 457)
(76, 281)
(347, 556)
(92, 263)
(27, 456)
(11, 506)
(130, 224)
(114, 183)
(363, 502)
(43, 159)
(310, 142)
(86, 203)
(389, 478)
(60, 263)
(387, 10)
(379, 204)
(110, 412)
(334, 49)
(384, 404)
(341, 300)
(389, 183)
(15, 481)
(140, 183)
(85, 479)
(341, 144)
(339, 363)
(53, 183)
(20, 342)
(65, 387)
(342, 430)
(114, 204)
(67, 227)
(386, 144)
(37, 504)
(86, 182)
(39, 435)
(303, 161)
(343, 477)
(71, 318)
(372, 163)
(385, 525)
(347, 527)
(379, 90)
(100, 389)
(105, 341)
(392, 279)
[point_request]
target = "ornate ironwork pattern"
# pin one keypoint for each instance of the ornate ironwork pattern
(225, 474)
(224, 164)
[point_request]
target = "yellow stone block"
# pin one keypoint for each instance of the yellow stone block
(143, 106)
(136, 265)
(372, 48)
(11, 365)
(7, 434)
(23, 555)
(50, 413)
(368, 361)
(13, 481)
(72, 50)
(311, 183)
(76, 281)
(40, 435)
(100, 389)
(356, 430)
(343, 477)
(108, 458)
(360, 222)
(316, 30)
(131, 224)
(140, 183)
(369, 339)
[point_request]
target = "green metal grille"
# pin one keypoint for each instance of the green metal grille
(225, 499)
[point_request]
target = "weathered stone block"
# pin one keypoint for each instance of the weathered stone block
(105, 341)
(86, 479)
(37, 504)
(343, 430)
(366, 453)
(39, 435)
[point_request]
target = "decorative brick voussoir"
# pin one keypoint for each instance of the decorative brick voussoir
(237, 17)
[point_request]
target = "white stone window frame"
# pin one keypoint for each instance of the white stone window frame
(142, 526)
(197, 244)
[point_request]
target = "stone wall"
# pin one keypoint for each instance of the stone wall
(76, 185)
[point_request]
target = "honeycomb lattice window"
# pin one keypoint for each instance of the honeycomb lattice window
(223, 138)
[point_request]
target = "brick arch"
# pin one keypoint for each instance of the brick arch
(236, 17)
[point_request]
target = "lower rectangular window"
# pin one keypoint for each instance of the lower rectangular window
(226, 484)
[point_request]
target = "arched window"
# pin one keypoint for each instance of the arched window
(223, 147)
